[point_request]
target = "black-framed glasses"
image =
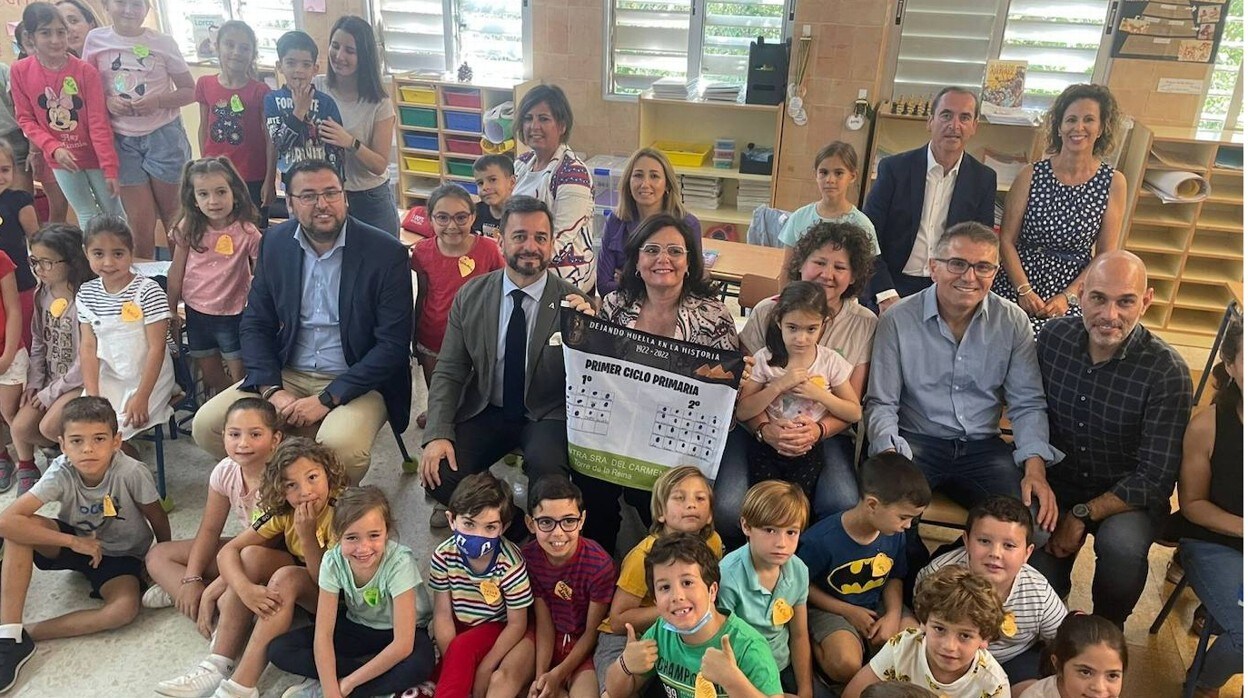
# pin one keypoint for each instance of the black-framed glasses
(332, 196)
(546, 524)
(41, 264)
(673, 251)
(957, 265)
(461, 219)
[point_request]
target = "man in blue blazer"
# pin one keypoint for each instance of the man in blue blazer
(327, 328)
(920, 193)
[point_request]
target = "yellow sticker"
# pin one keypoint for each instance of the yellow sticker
(1009, 627)
(141, 51)
(490, 591)
(58, 307)
(563, 591)
(131, 312)
(110, 509)
(703, 688)
(781, 612)
(819, 382)
(881, 564)
(466, 265)
(225, 245)
(236, 104)
(69, 86)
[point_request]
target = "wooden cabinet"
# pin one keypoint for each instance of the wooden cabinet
(705, 122)
(1194, 251)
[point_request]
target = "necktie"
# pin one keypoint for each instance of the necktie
(513, 359)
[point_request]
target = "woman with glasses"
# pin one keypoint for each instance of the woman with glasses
(443, 264)
(551, 173)
(1063, 209)
(366, 134)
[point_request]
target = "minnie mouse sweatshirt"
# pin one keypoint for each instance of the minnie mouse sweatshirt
(65, 108)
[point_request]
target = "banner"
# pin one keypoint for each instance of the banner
(639, 404)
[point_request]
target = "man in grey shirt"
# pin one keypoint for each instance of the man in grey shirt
(943, 362)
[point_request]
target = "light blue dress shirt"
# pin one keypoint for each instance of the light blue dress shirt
(532, 298)
(924, 381)
(318, 342)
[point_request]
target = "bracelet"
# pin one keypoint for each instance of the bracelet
(270, 392)
(1028, 292)
(188, 580)
(823, 432)
(624, 667)
(1071, 299)
(1023, 289)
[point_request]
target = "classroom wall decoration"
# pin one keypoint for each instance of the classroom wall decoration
(1184, 30)
(638, 404)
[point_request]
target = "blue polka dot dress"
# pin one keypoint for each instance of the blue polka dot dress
(1060, 227)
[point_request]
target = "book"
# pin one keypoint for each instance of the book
(1003, 83)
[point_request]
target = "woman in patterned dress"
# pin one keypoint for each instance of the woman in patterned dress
(1064, 208)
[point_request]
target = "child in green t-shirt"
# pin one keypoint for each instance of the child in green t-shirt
(694, 649)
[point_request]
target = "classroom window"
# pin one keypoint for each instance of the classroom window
(948, 42)
(441, 35)
(1223, 107)
(190, 24)
(652, 39)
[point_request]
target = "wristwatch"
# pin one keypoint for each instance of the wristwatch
(1083, 513)
(758, 433)
(355, 145)
(326, 399)
(1071, 299)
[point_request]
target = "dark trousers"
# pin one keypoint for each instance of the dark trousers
(1025, 666)
(603, 510)
(904, 284)
(354, 645)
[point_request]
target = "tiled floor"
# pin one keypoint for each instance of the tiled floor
(161, 644)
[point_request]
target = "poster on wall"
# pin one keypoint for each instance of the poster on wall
(1187, 31)
(204, 30)
(639, 404)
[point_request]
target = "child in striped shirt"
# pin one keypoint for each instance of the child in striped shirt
(481, 593)
(997, 545)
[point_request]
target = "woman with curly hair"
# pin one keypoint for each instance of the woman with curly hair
(1063, 209)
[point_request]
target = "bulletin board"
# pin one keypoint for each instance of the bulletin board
(1186, 31)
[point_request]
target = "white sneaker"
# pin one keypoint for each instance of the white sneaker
(156, 597)
(200, 682)
(229, 689)
(308, 688)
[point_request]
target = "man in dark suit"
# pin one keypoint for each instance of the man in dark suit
(499, 383)
(326, 332)
(918, 194)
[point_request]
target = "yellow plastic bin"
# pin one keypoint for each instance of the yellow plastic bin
(684, 154)
(415, 94)
(414, 164)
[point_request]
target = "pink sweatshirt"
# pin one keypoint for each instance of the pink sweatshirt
(64, 108)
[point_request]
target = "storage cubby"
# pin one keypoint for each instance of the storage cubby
(1194, 251)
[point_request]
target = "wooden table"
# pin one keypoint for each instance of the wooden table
(736, 259)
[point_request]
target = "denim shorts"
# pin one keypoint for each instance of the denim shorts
(209, 335)
(160, 154)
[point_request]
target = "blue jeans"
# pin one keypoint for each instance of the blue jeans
(87, 192)
(1216, 574)
(375, 207)
(1121, 547)
(836, 490)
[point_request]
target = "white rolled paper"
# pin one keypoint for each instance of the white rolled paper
(1177, 187)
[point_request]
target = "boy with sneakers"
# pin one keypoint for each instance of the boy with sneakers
(573, 581)
(496, 177)
(294, 112)
(961, 614)
(694, 649)
(109, 512)
(766, 586)
(997, 544)
(481, 592)
(857, 561)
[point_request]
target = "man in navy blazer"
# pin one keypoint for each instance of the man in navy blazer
(327, 327)
(920, 193)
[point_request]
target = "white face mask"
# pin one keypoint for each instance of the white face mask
(698, 626)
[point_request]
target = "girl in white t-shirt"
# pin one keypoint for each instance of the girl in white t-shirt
(1089, 658)
(185, 571)
(796, 381)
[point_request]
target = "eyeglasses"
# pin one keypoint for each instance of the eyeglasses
(332, 196)
(673, 251)
(40, 264)
(446, 218)
(957, 265)
(545, 524)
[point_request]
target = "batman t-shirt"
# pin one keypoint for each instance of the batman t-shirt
(850, 571)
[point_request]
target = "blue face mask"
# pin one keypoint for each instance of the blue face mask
(682, 631)
(474, 546)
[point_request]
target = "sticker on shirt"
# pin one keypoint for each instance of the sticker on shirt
(225, 245)
(860, 576)
(781, 612)
(1009, 626)
(702, 688)
(58, 307)
(563, 591)
(372, 596)
(131, 312)
(236, 104)
(69, 86)
(110, 509)
(466, 265)
(140, 51)
(490, 591)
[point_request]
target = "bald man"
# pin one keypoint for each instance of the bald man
(1118, 403)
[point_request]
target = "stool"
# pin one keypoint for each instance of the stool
(1169, 606)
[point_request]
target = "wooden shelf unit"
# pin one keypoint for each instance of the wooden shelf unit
(1194, 252)
(417, 96)
(704, 122)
